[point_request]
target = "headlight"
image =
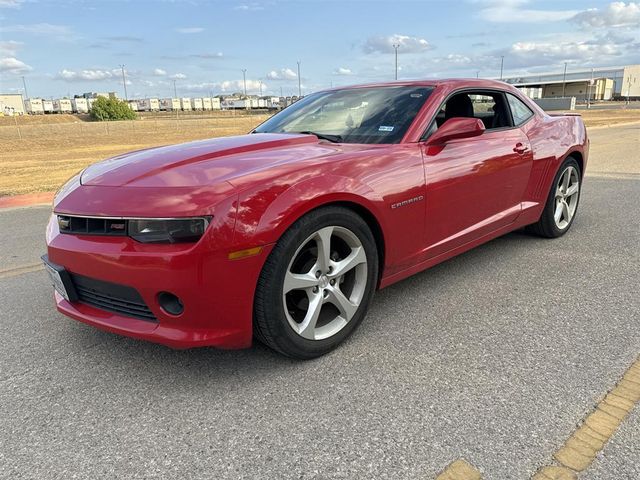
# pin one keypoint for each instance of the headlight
(174, 230)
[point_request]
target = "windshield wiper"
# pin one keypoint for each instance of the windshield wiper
(323, 136)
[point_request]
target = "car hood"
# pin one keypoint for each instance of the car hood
(208, 161)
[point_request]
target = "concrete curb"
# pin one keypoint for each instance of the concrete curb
(26, 200)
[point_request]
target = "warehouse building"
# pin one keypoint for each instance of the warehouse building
(11, 104)
(604, 83)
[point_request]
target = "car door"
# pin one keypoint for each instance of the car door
(475, 185)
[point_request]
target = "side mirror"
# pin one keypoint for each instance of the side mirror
(458, 127)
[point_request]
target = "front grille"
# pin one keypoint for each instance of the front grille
(112, 297)
(92, 226)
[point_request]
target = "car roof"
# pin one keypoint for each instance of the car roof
(450, 82)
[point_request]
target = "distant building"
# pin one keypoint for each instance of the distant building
(11, 104)
(603, 83)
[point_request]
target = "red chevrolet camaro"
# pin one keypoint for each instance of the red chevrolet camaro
(285, 233)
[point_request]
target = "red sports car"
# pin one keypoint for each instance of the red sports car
(285, 233)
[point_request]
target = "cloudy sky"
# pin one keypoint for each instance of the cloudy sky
(72, 46)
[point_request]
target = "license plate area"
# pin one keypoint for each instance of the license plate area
(60, 279)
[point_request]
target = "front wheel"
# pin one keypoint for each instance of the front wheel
(317, 283)
(562, 203)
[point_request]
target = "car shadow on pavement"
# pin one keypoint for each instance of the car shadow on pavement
(156, 361)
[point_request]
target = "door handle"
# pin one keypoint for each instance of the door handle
(520, 148)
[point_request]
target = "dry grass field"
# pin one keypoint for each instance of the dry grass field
(49, 152)
(39, 153)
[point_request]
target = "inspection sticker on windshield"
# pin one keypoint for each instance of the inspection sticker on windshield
(385, 128)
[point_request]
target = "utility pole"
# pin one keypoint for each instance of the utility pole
(24, 84)
(260, 87)
(564, 79)
(124, 83)
(396, 47)
(244, 80)
(299, 84)
(175, 90)
(477, 73)
(501, 65)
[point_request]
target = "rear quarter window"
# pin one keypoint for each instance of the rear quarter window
(520, 112)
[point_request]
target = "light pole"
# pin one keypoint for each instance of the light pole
(564, 79)
(244, 80)
(395, 48)
(124, 83)
(175, 90)
(260, 87)
(299, 84)
(24, 84)
(629, 87)
(501, 65)
(477, 73)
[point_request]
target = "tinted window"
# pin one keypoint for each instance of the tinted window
(357, 115)
(520, 112)
(490, 107)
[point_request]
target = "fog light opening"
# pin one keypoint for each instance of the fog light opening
(170, 303)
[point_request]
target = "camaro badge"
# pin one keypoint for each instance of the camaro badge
(407, 202)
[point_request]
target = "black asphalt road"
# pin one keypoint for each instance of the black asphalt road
(493, 357)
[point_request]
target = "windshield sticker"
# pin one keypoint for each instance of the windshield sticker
(385, 128)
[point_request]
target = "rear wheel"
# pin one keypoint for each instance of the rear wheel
(317, 283)
(562, 203)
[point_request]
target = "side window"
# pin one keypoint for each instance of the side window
(521, 113)
(490, 107)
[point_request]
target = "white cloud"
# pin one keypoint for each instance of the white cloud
(45, 29)
(617, 14)
(454, 59)
(9, 47)
(528, 54)
(88, 75)
(158, 72)
(13, 65)
(190, 30)
(208, 55)
(384, 44)
(11, 3)
(342, 71)
(514, 11)
(250, 7)
(178, 76)
(282, 74)
(227, 86)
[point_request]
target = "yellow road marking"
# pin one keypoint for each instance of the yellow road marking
(460, 470)
(12, 272)
(583, 445)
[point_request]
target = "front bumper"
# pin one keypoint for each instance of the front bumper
(217, 293)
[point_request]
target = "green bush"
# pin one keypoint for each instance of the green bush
(111, 109)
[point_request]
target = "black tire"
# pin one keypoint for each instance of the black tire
(546, 225)
(270, 324)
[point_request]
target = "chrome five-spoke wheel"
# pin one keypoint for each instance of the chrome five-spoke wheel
(566, 197)
(317, 283)
(325, 283)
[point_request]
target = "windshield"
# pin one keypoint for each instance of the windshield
(358, 115)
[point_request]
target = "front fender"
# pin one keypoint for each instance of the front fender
(265, 214)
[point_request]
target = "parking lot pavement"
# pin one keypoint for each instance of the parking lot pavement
(493, 357)
(616, 461)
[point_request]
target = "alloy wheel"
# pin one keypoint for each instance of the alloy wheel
(566, 197)
(325, 283)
